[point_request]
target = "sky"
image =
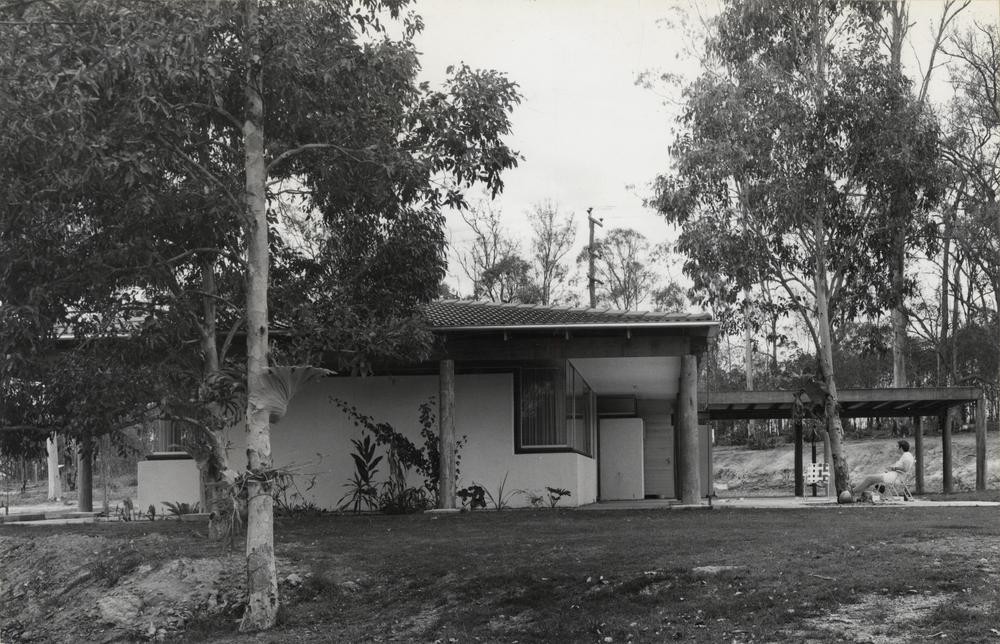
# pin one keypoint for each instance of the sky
(590, 136)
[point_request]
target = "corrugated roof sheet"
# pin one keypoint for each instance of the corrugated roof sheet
(455, 314)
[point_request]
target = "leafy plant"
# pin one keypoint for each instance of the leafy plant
(535, 499)
(288, 498)
(425, 459)
(556, 493)
(501, 500)
(472, 497)
(362, 492)
(179, 508)
(397, 497)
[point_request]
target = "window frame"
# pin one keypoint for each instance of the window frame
(563, 413)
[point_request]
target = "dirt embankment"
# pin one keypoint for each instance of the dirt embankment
(73, 587)
(744, 472)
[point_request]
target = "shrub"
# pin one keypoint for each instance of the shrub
(425, 460)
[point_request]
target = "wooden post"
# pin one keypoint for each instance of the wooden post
(981, 442)
(106, 472)
(946, 479)
(687, 432)
(918, 453)
(446, 436)
(800, 488)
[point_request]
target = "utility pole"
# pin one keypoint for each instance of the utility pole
(591, 278)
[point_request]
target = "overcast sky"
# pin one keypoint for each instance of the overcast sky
(589, 135)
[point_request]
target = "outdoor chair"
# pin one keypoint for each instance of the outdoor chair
(896, 487)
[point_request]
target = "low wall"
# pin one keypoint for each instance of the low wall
(174, 480)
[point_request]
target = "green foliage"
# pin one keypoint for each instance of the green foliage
(555, 494)
(425, 459)
(362, 493)
(552, 240)
(501, 500)
(473, 497)
(178, 508)
(621, 267)
(289, 500)
(777, 170)
(121, 169)
(398, 497)
(535, 499)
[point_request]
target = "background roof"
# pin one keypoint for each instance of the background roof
(466, 314)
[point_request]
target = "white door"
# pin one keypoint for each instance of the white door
(620, 458)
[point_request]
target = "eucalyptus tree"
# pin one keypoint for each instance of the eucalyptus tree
(622, 268)
(894, 36)
(973, 150)
(792, 144)
(146, 144)
(493, 260)
(551, 242)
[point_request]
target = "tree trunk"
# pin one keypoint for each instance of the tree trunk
(262, 580)
(953, 345)
(85, 474)
(834, 428)
(900, 201)
(214, 466)
(899, 318)
(942, 352)
(55, 481)
(824, 351)
(996, 213)
(754, 430)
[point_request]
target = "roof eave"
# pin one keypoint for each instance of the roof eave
(711, 325)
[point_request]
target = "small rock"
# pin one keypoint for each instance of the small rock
(120, 608)
(350, 587)
(293, 580)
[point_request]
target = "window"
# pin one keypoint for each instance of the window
(556, 411)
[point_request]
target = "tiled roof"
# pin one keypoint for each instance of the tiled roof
(466, 314)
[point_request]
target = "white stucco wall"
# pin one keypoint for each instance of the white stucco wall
(167, 481)
(314, 437)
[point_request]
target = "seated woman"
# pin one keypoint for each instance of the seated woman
(896, 473)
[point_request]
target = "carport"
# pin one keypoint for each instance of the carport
(915, 403)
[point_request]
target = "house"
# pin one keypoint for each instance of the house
(601, 403)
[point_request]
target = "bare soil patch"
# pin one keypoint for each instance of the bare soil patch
(876, 574)
(744, 472)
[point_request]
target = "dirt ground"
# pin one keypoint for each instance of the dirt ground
(743, 472)
(167, 582)
(90, 587)
(124, 582)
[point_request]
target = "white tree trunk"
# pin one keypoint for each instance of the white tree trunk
(824, 351)
(262, 579)
(55, 482)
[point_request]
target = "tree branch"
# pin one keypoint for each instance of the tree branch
(203, 171)
(226, 114)
(287, 154)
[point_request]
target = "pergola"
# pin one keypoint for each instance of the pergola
(915, 403)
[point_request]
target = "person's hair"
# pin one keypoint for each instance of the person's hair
(904, 445)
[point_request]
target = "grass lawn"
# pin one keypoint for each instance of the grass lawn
(878, 574)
